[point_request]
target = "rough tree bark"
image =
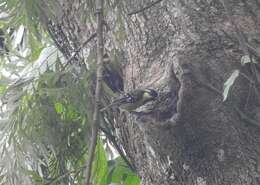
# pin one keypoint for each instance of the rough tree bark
(185, 49)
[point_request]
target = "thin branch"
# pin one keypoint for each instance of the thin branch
(240, 37)
(246, 118)
(242, 41)
(251, 82)
(78, 50)
(251, 49)
(120, 151)
(145, 8)
(95, 124)
(60, 177)
(242, 115)
(209, 87)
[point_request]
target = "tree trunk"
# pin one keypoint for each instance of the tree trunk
(186, 50)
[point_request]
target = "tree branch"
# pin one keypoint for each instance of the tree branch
(95, 124)
(145, 8)
(240, 37)
(60, 177)
(246, 118)
(118, 148)
(78, 50)
(242, 115)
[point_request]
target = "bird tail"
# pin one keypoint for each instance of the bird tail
(118, 101)
(106, 107)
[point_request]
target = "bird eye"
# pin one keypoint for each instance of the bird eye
(129, 98)
(153, 93)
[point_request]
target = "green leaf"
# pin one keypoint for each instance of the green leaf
(132, 180)
(228, 84)
(59, 107)
(118, 170)
(36, 177)
(36, 53)
(100, 164)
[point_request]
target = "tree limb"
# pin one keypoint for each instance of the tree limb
(60, 177)
(118, 148)
(95, 124)
(242, 115)
(145, 8)
(78, 50)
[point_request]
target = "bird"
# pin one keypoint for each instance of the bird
(133, 99)
(112, 75)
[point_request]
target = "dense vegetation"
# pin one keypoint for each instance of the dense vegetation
(47, 106)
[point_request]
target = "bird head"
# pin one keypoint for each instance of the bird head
(150, 94)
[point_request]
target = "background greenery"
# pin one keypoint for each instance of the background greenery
(45, 110)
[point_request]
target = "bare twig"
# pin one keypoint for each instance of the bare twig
(95, 124)
(240, 37)
(60, 177)
(252, 82)
(247, 49)
(246, 118)
(145, 8)
(120, 151)
(208, 86)
(78, 50)
(242, 115)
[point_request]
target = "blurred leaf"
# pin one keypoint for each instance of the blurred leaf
(58, 107)
(132, 180)
(245, 59)
(19, 36)
(100, 167)
(118, 171)
(36, 177)
(228, 84)
(46, 111)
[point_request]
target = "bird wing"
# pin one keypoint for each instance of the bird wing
(126, 98)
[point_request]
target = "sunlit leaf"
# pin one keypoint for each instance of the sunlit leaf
(58, 107)
(118, 171)
(132, 180)
(100, 164)
(229, 83)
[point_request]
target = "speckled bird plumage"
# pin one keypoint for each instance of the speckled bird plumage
(134, 99)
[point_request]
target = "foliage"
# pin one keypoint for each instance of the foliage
(228, 84)
(46, 111)
(47, 126)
